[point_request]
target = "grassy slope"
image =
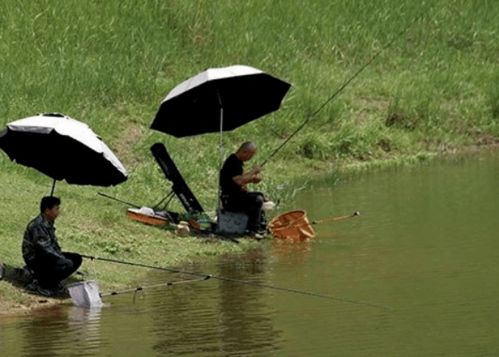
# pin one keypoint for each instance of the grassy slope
(110, 63)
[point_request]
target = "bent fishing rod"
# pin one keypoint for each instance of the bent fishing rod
(237, 281)
(339, 90)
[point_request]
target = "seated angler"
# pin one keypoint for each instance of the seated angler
(234, 181)
(42, 253)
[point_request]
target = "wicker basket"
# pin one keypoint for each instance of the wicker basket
(291, 225)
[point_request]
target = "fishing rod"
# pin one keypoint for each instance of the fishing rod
(238, 281)
(294, 224)
(336, 218)
(118, 200)
(168, 214)
(142, 288)
(85, 296)
(323, 220)
(339, 90)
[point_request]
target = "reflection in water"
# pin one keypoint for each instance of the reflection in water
(234, 318)
(244, 316)
(204, 318)
(85, 324)
(291, 252)
(62, 328)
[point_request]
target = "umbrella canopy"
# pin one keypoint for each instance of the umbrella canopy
(219, 99)
(63, 149)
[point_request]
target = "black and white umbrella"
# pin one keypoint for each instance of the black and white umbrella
(219, 99)
(63, 149)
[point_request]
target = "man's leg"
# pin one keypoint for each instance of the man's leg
(66, 267)
(250, 203)
(43, 273)
(76, 259)
(50, 275)
(254, 203)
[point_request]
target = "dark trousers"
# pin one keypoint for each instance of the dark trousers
(249, 203)
(50, 274)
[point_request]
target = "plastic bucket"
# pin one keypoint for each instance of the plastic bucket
(291, 225)
(85, 294)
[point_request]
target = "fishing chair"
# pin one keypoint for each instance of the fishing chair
(179, 186)
(235, 221)
(229, 222)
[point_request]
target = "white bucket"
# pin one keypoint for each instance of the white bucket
(85, 294)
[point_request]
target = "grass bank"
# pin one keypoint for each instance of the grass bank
(109, 64)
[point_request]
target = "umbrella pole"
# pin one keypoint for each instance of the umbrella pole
(53, 189)
(221, 147)
(220, 162)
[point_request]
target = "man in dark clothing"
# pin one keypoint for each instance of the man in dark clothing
(42, 253)
(233, 181)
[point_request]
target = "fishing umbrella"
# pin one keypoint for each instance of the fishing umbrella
(219, 99)
(63, 149)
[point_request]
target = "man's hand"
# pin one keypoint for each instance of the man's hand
(251, 176)
(256, 170)
(256, 178)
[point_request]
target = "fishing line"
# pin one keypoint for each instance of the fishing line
(238, 281)
(339, 90)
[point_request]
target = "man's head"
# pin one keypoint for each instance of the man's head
(49, 207)
(246, 151)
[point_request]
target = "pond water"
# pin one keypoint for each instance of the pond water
(413, 275)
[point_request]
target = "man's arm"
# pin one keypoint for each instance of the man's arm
(44, 247)
(252, 176)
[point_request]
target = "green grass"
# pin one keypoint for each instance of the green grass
(110, 63)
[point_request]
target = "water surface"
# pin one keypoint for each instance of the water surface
(426, 248)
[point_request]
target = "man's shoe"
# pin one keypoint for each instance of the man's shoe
(257, 236)
(32, 286)
(46, 292)
(56, 291)
(35, 288)
(23, 274)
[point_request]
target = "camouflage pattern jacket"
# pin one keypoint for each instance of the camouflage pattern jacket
(40, 243)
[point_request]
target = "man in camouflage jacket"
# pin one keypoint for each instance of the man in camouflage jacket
(41, 250)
